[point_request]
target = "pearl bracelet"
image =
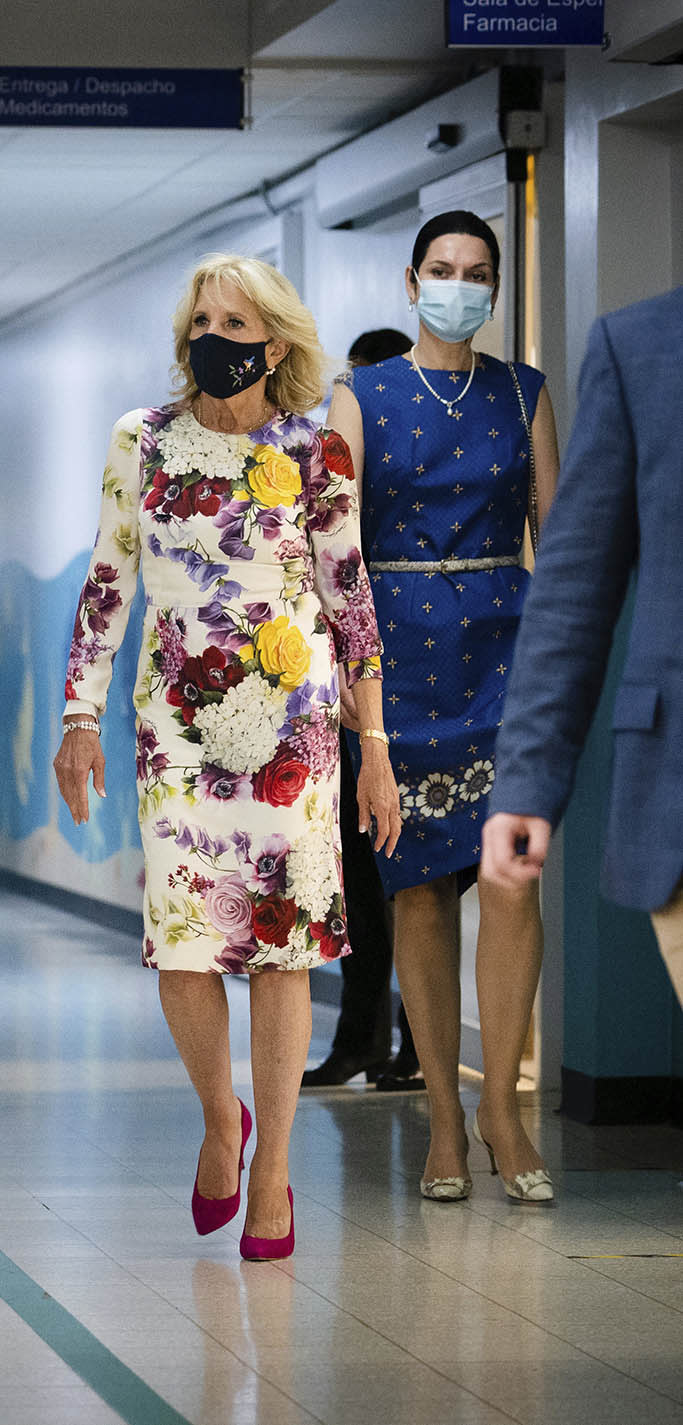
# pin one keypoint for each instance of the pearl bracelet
(91, 726)
(374, 732)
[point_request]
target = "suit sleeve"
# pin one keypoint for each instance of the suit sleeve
(588, 548)
(106, 596)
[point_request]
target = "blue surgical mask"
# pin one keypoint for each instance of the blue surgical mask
(451, 309)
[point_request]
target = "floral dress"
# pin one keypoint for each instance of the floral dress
(255, 589)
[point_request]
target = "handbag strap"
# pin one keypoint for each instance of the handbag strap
(533, 493)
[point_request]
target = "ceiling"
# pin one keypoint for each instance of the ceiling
(75, 199)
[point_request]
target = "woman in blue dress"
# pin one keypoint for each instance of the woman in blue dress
(440, 439)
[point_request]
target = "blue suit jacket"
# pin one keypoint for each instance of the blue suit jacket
(619, 507)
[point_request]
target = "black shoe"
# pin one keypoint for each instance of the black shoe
(339, 1068)
(400, 1073)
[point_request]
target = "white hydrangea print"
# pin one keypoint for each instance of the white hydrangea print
(312, 876)
(186, 445)
(241, 732)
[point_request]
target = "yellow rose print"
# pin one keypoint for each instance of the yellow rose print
(275, 479)
(282, 649)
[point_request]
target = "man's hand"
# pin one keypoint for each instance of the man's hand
(514, 848)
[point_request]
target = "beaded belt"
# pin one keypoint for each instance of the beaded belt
(442, 566)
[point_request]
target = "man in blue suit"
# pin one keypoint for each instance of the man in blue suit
(618, 511)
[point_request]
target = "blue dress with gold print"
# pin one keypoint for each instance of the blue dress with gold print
(436, 487)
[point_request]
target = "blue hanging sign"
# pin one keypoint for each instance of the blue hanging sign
(507, 24)
(122, 98)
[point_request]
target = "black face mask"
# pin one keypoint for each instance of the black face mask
(222, 367)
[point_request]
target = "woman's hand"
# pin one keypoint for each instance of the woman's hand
(348, 713)
(79, 755)
(378, 795)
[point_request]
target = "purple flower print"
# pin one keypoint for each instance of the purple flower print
(241, 841)
(266, 869)
(210, 845)
(154, 544)
(99, 602)
(148, 762)
(259, 612)
(189, 841)
(342, 575)
(225, 633)
(155, 418)
(299, 704)
(270, 521)
(328, 515)
(231, 520)
(291, 549)
(228, 907)
(355, 627)
(82, 654)
(171, 631)
(184, 838)
(224, 786)
(329, 692)
(202, 571)
(308, 451)
(148, 954)
(315, 741)
(235, 958)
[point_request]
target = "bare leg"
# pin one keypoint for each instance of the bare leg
(509, 953)
(196, 1010)
(427, 920)
(280, 1036)
(668, 927)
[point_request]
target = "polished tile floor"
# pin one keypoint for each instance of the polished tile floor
(392, 1309)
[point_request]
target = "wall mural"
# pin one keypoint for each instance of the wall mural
(38, 838)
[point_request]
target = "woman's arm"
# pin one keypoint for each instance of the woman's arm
(546, 454)
(377, 790)
(101, 617)
(346, 417)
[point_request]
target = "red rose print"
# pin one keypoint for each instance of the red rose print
(281, 780)
(337, 455)
(273, 919)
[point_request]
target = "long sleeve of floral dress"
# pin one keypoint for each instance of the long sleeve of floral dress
(106, 596)
(342, 580)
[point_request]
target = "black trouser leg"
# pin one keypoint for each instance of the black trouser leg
(407, 1043)
(364, 1025)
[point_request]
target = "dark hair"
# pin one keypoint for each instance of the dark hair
(374, 346)
(458, 222)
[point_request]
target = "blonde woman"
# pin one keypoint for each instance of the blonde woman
(244, 516)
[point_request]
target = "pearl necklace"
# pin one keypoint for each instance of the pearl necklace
(442, 399)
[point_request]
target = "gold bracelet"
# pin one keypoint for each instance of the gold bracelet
(374, 732)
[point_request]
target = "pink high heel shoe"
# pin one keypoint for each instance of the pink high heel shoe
(270, 1249)
(210, 1213)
